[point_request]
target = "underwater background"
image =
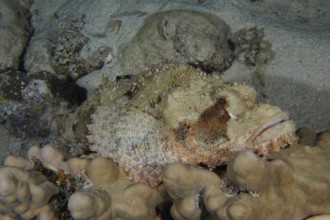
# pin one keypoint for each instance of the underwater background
(69, 69)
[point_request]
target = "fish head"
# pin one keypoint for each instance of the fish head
(231, 122)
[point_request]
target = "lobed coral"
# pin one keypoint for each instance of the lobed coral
(293, 184)
(104, 192)
(25, 194)
(296, 181)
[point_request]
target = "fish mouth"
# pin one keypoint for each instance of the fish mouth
(272, 129)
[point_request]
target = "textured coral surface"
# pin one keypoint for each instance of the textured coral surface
(252, 188)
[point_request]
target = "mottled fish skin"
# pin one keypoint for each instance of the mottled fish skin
(133, 139)
(176, 113)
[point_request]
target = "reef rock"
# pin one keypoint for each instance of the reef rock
(196, 38)
(34, 114)
(182, 36)
(176, 113)
(14, 28)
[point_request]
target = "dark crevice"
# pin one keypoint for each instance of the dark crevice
(164, 210)
(119, 78)
(30, 33)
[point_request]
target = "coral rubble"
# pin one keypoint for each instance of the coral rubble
(65, 53)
